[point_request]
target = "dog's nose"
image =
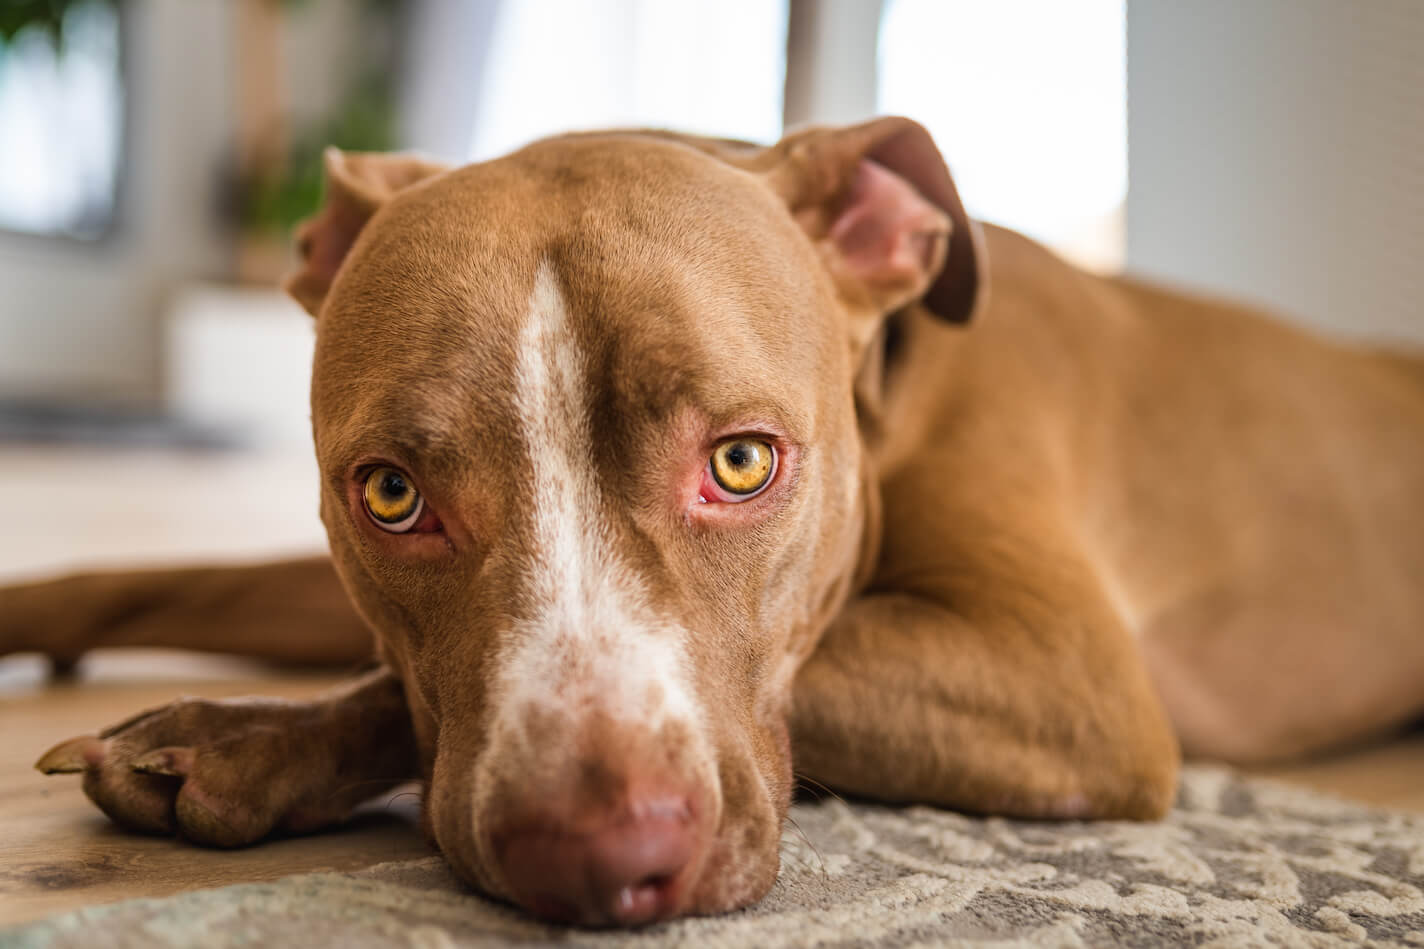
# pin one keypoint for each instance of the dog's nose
(627, 871)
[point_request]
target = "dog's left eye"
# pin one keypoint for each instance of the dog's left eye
(739, 470)
(392, 500)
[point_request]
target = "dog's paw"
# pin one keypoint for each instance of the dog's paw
(219, 773)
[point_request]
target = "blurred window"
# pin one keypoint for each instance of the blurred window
(1028, 101)
(555, 65)
(60, 124)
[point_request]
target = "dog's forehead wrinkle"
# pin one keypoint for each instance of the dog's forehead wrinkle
(439, 434)
(433, 386)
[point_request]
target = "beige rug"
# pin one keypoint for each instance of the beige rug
(1239, 862)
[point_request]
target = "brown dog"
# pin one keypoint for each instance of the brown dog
(656, 463)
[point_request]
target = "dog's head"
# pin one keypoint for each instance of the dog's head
(592, 471)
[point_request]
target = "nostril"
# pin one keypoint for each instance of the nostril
(629, 871)
(644, 901)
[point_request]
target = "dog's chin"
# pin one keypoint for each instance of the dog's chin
(739, 881)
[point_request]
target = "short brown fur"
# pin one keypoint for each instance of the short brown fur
(1018, 563)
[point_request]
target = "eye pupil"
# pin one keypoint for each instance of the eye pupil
(392, 500)
(393, 485)
(743, 466)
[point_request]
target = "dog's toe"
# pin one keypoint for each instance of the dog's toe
(170, 762)
(72, 756)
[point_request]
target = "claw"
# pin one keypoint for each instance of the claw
(172, 762)
(72, 756)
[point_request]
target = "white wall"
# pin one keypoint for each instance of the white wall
(1274, 154)
(447, 51)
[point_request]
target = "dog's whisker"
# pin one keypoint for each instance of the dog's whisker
(807, 779)
(352, 785)
(809, 842)
(395, 797)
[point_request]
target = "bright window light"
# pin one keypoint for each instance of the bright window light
(559, 65)
(60, 125)
(1028, 101)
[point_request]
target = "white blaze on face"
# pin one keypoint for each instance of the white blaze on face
(591, 643)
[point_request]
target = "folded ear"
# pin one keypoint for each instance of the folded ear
(880, 205)
(357, 184)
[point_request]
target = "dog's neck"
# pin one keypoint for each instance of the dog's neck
(877, 377)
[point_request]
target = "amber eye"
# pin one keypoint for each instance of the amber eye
(743, 465)
(392, 500)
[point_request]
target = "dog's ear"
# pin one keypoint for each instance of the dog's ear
(357, 184)
(879, 203)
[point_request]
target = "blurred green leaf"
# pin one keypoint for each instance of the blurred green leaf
(17, 16)
(280, 195)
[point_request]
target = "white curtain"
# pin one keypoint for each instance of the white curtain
(1028, 101)
(486, 77)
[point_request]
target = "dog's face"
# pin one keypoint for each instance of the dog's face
(592, 472)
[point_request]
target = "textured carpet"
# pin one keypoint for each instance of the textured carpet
(1239, 862)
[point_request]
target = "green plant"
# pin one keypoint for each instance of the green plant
(17, 16)
(276, 196)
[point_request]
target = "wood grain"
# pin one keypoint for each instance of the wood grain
(57, 852)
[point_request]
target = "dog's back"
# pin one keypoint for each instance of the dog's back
(1255, 493)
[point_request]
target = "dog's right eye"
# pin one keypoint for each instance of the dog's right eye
(392, 500)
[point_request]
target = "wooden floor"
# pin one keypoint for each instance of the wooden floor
(57, 852)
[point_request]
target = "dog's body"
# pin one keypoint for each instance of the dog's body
(1003, 568)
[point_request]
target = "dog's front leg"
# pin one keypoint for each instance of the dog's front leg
(1021, 705)
(230, 772)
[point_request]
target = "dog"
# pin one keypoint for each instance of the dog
(659, 464)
